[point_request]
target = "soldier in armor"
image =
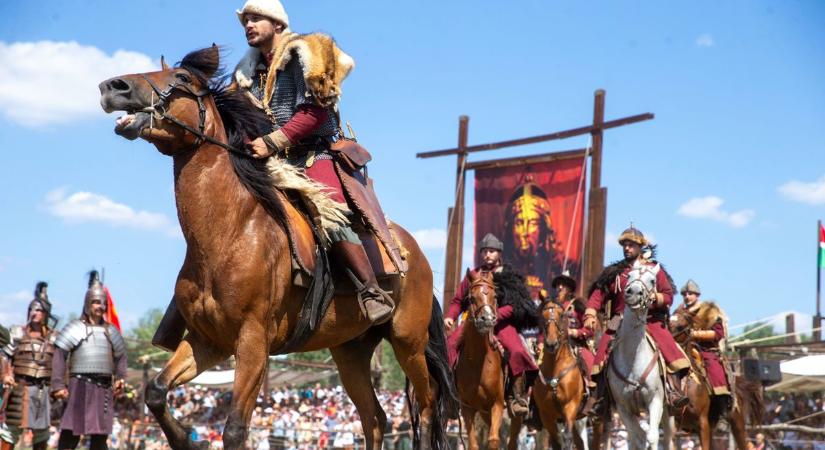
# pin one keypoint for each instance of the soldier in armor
(707, 331)
(273, 73)
(607, 296)
(94, 353)
(29, 374)
(516, 311)
(565, 287)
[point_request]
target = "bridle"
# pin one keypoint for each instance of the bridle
(158, 111)
(486, 287)
(648, 293)
(553, 382)
(562, 331)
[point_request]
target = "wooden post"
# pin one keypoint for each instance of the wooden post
(597, 204)
(455, 228)
(790, 328)
(818, 317)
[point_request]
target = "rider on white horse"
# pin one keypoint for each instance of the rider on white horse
(607, 296)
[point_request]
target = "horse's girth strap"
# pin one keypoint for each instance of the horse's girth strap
(640, 384)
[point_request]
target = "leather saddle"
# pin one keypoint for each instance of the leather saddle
(381, 243)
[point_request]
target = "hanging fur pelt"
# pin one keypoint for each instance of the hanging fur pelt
(511, 290)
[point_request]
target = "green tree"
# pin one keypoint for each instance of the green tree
(139, 338)
(761, 333)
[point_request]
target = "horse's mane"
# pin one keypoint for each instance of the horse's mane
(241, 120)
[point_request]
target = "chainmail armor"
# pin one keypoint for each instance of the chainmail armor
(289, 93)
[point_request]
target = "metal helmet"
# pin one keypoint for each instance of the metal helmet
(691, 286)
(492, 242)
(95, 292)
(41, 301)
(633, 234)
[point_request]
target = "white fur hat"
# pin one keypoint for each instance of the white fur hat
(272, 9)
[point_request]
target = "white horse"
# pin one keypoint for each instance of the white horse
(634, 377)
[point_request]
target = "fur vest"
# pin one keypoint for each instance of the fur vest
(511, 290)
(324, 66)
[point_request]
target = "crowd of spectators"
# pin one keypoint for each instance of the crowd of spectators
(323, 417)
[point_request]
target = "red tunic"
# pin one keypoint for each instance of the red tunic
(717, 375)
(520, 360)
(657, 315)
(575, 321)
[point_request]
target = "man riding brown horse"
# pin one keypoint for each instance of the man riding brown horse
(574, 308)
(707, 331)
(516, 311)
(607, 296)
(275, 75)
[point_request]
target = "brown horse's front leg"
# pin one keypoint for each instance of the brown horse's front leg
(251, 356)
(496, 414)
(469, 416)
(191, 358)
(515, 429)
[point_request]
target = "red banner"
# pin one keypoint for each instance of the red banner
(537, 210)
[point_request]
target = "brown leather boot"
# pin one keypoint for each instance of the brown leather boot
(675, 395)
(594, 406)
(170, 329)
(40, 445)
(519, 404)
(375, 303)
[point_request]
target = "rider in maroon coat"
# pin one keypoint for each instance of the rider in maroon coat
(515, 311)
(707, 336)
(607, 296)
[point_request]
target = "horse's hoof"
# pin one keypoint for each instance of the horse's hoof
(200, 445)
(493, 445)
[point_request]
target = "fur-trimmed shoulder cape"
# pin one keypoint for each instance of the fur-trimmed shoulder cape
(324, 65)
(511, 290)
(707, 314)
(615, 269)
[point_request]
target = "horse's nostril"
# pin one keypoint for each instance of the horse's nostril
(118, 85)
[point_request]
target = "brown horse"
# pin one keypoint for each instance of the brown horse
(480, 370)
(559, 389)
(235, 288)
(702, 414)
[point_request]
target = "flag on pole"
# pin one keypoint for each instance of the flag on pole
(111, 312)
(821, 245)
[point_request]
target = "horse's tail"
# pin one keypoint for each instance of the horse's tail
(446, 400)
(749, 399)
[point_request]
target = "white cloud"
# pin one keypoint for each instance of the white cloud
(431, 238)
(705, 40)
(812, 193)
(85, 207)
(710, 207)
(14, 307)
(49, 82)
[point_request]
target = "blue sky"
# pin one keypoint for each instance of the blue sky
(729, 178)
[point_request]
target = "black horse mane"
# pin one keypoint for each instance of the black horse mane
(242, 121)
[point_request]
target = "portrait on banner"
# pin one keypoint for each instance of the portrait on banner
(537, 210)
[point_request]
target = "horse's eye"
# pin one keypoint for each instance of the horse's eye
(183, 77)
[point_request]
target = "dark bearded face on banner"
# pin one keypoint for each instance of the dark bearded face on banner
(538, 212)
(529, 225)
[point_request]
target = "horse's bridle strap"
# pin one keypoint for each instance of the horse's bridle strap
(159, 109)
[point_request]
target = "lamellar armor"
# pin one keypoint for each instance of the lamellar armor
(30, 357)
(93, 348)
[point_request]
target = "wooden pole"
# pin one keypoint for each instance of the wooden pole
(455, 228)
(790, 329)
(597, 204)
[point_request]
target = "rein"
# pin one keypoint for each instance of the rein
(159, 110)
(638, 385)
(553, 382)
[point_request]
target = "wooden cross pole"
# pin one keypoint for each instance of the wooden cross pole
(597, 200)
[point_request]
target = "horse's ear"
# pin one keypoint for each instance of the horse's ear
(163, 64)
(471, 275)
(214, 60)
(657, 268)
